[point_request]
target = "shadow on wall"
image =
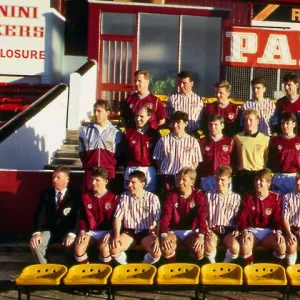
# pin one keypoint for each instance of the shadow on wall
(24, 150)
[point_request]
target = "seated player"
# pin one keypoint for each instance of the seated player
(223, 107)
(265, 107)
(260, 220)
(96, 225)
(184, 217)
(222, 209)
(57, 216)
(291, 221)
(251, 152)
(176, 150)
(142, 97)
(291, 101)
(135, 221)
(284, 155)
(217, 150)
(138, 146)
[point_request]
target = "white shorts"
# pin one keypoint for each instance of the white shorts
(284, 183)
(260, 233)
(182, 234)
(97, 235)
(150, 173)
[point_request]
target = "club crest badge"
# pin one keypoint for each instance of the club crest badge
(146, 209)
(109, 145)
(253, 207)
(133, 142)
(297, 146)
(149, 105)
(207, 148)
(192, 204)
(225, 148)
(131, 105)
(90, 205)
(268, 211)
(176, 205)
(231, 116)
(66, 211)
(149, 145)
(107, 206)
(187, 149)
(279, 147)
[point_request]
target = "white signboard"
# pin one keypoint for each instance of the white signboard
(22, 36)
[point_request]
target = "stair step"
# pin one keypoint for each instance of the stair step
(66, 154)
(67, 147)
(17, 258)
(71, 142)
(66, 161)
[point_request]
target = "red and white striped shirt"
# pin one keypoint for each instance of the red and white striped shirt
(176, 153)
(267, 114)
(222, 209)
(191, 104)
(291, 208)
(138, 214)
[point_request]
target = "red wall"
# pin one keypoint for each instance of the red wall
(19, 195)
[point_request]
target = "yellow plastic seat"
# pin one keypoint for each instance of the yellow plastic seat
(164, 132)
(293, 274)
(221, 274)
(265, 274)
(94, 274)
(139, 274)
(178, 273)
(42, 274)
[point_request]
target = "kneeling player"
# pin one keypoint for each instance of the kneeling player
(222, 210)
(183, 219)
(291, 221)
(95, 227)
(135, 221)
(260, 219)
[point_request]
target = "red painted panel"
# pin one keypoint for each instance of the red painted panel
(19, 195)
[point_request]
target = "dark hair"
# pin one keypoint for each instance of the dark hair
(180, 115)
(259, 80)
(216, 117)
(185, 74)
(289, 116)
(147, 108)
(264, 173)
(102, 103)
(139, 175)
(100, 172)
(291, 77)
(63, 169)
(223, 171)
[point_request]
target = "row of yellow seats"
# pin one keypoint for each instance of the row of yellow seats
(169, 274)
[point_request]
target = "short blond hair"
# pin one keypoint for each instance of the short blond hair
(186, 171)
(264, 174)
(144, 72)
(223, 171)
(251, 111)
(224, 84)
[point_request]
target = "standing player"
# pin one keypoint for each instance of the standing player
(222, 209)
(260, 220)
(142, 97)
(217, 150)
(186, 100)
(291, 101)
(223, 107)
(176, 150)
(251, 150)
(265, 107)
(139, 145)
(184, 217)
(95, 227)
(291, 221)
(135, 221)
(98, 143)
(285, 155)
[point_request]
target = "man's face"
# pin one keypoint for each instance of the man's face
(59, 180)
(291, 88)
(178, 127)
(261, 185)
(100, 114)
(251, 123)
(222, 94)
(135, 186)
(98, 183)
(141, 83)
(287, 127)
(185, 183)
(215, 128)
(141, 118)
(185, 85)
(223, 183)
(298, 183)
(258, 91)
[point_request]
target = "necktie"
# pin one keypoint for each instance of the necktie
(59, 199)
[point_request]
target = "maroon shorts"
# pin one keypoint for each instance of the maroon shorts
(136, 235)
